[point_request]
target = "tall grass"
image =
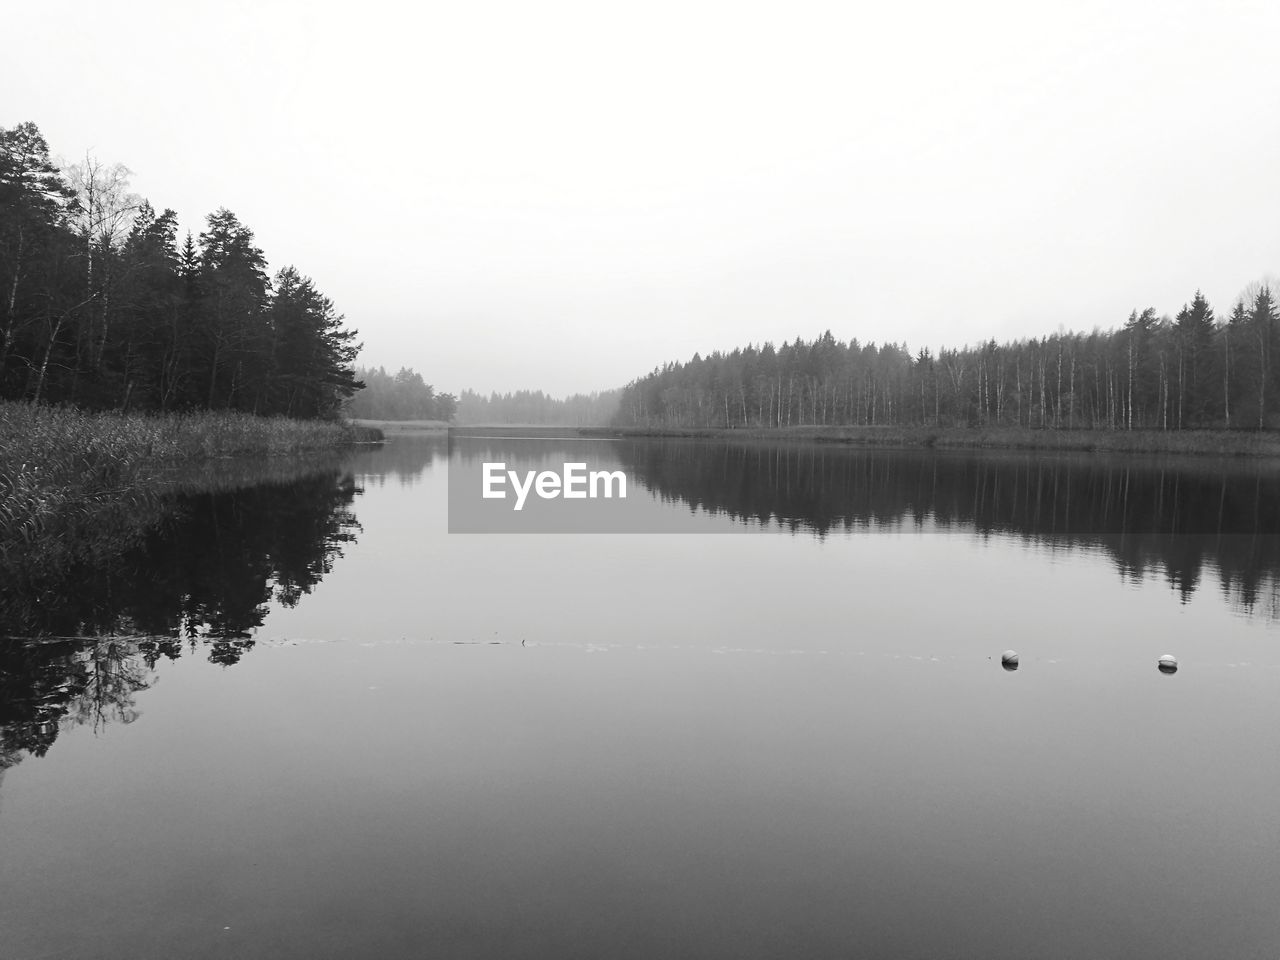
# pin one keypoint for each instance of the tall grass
(63, 471)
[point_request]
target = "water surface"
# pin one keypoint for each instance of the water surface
(300, 719)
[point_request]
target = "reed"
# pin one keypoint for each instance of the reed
(63, 470)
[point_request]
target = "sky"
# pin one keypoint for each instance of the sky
(562, 196)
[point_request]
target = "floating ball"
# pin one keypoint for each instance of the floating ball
(1009, 660)
(1168, 663)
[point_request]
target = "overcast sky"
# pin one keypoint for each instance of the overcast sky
(564, 195)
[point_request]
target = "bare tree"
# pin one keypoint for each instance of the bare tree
(104, 216)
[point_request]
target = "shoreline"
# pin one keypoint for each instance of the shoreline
(1209, 443)
(389, 427)
(65, 473)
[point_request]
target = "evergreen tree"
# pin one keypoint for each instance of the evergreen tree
(232, 334)
(1262, 326)
(312, 353)
(1198, 400)
(35, 204)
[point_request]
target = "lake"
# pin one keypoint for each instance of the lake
(754, 709)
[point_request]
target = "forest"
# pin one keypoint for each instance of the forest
(535, 408)
(1193, 370)
(403, 395)
(103, 307)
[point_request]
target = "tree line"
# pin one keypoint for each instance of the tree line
(533, 407)
(102, 306)
(400, 396)
(1194, 370)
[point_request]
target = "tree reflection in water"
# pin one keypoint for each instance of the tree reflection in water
(80, 643)
(200, 573)
(1172, 518)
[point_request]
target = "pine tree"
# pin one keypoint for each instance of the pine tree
(1262, 325)
(35, 202)
(1194, 333)
(312, 357)
(232, 330)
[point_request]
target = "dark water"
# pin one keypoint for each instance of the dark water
(300, 719)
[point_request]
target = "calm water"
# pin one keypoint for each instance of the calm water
(329, 728)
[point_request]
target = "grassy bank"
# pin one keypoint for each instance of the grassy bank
(60, 466)
(1220, 443)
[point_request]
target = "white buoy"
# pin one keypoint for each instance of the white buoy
(1168, 663)
(1009, 660)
